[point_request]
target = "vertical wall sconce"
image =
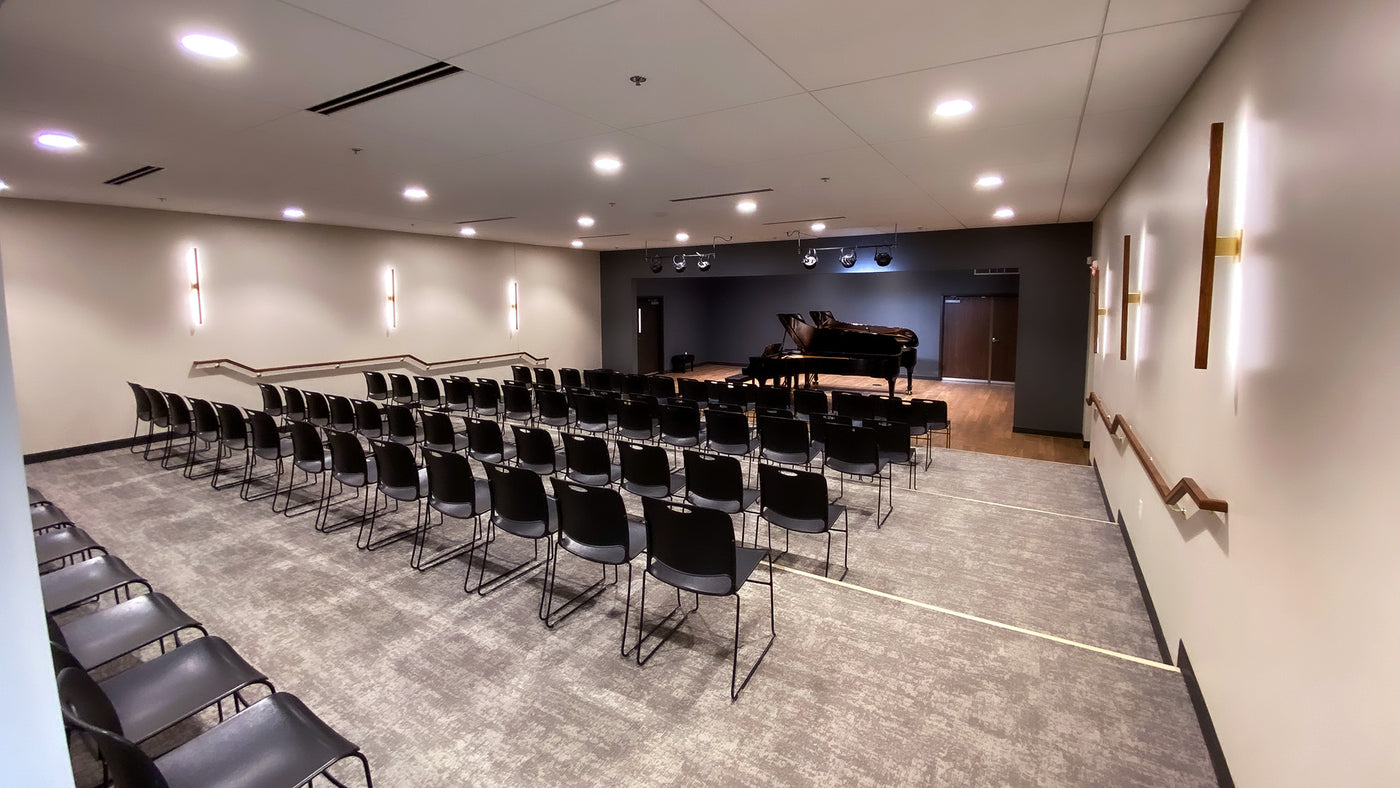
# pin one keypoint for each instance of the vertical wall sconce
(196, 296)
(1212, 246)
(1099, 311)
(513, 314)
(391, 299)
(1126, 298)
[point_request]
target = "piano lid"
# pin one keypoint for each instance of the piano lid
(825, 319)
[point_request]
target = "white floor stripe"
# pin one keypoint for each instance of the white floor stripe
(1022, 508)
(969, 617)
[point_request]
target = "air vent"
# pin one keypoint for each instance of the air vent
(717, 196)
(610, 235)
(996, 272)
(483, 221)
(388, 86)
(807, 221)
(139, 172)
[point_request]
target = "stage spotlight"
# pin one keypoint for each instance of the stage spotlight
(704, 262)
(678, 263)
(655, 264)
(810, 260)
(848, 258)
(883, 258)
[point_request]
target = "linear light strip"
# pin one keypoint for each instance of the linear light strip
(987, 621)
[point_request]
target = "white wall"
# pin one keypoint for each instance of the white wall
(98, 296)
(1290, 604)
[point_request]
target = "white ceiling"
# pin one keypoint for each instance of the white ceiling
(826, 102)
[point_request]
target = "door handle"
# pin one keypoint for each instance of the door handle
(994, 339)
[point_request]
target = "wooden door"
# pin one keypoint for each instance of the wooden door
(1003, 327)
(966, 345)
(650, 339)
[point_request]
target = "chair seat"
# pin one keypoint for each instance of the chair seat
(788, 457)
(408, 493)
(674, 485)
(371, 475)
(284, 449)
(530, 529)
(858, 468)
(596, 479)
(729, 507)
(495, 458)
(155, 695)
(463, 510)
(887, 457)
(59, 543)
(101, 637)
(614, 554)
(72, 585)
(746, 559)
(36, 497)
(806, 525)
(732, 448)
(46, 515)
(560, 461)
(274, 743)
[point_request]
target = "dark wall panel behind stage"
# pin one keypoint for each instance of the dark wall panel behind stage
(729, 313)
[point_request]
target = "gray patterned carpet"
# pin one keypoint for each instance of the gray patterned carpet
(441, 688)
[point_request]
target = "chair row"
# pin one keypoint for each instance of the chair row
(134, 701)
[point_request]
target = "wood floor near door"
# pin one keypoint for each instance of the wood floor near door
(981, 413)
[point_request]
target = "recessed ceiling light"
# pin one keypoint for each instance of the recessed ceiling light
(585, 221)
(818, 226)
(607, 164)
(989, 181)
(209, 46)
(293, 213)
(415, 193)
(576, 243)
(57, 140)
(948, 109)
(682, 237)
(468, 231)
(747, 206)
(1004, 213)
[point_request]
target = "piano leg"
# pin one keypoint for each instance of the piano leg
(909, 373)
(891, 382)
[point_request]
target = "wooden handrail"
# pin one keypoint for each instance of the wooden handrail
(1186, 486)
(258, 372)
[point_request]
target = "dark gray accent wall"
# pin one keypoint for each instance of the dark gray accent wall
(730, 312)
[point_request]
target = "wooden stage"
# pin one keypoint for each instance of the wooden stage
(980, 412)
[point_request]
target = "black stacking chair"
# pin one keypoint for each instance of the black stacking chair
(544, 378)
(318, 410)
(268, 444)
(289, 744)
(160, 418)
(647, 471)
(633, 383)
(376, 387)
(401, 389)
(553, 407)
(64, 546)
(535, 450)
(312, 458)
(369, 420)
(37, 498)
(717, 482)
(588, 462)
(936, 419)
(272, 403)
(143, 413)
(597, 379)
(88, 580)
(570, 378)
(520, 373)
(692, 549)
(593, 525)
(487, 445)
(453, 491)
(429, 394)
(636, 420)
(797, 501)
(727, 432)
(693, 390)
(817, 423)
(233, 440)
(342, 413)
(680, 426)
(855, 451)
(458, 393)
(203, 436)
(399, 480)
(776, 397)
(591, 413)
(661, 386)
(112, 632)
(486, 398)
(519, 403)
(349, 468)
(403, 427)
(880, 406)
(439, 434)
(850, 404)
(785, 441)
(519, 506)
(46, 516)
(895, 446)
(805, 402)
(294, 405)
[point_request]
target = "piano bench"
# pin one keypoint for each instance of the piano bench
(683, 362)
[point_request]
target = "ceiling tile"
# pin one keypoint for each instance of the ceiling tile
(1131, 14)
(1154, 65)
(1109, 144)
(772, 129)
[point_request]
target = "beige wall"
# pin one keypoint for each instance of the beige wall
(1290, 605)
(98, 296)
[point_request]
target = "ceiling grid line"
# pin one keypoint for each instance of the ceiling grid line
(1088, 86)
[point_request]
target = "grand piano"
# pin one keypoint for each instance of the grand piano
(832, 351)
(908, 340)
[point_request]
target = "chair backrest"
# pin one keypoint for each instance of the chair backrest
(644, 465)
(783, 435)
(586, 454)
(692, 389)
(271, 398)
(533, 446)
(294, 402)
(636, 415)
(692, 540)
(809, 401)
(881, 405)
(143, 402)
(797, 494)
(734, 395)
(935, 413)
(368, 418)
(591, 409)
(401, 422)
(232, 427)
(553, 404)
(773, 397)
(521, 374)
(851, 444)
(342, 412)
(910, 414)
(206, 421)
(484, 437)
(179, 412)
(489, 383)
(265, 435)
(86, 708)
(570, 377)
(680, 421)
(819, 421)
(517, 399)
(375, 386)
(591, 515)
(437, 429)
(450, 478)
(714, 477)
(632, 383)
(891, 437)
(428, 392)
(486, 396)
(458, 392)
(402, 387)
(544, 376)
(318, 411)
(726, 426)
(306, 443)
(347, 455)
(159, 410)
(396, 465)
(850, 403)
(517, 494)
(661, 386)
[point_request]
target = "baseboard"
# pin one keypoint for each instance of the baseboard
(1051, 433)
(1086, 444)
(88, 448)
(1198, 700)
(1161, 636)
(1103, 491)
